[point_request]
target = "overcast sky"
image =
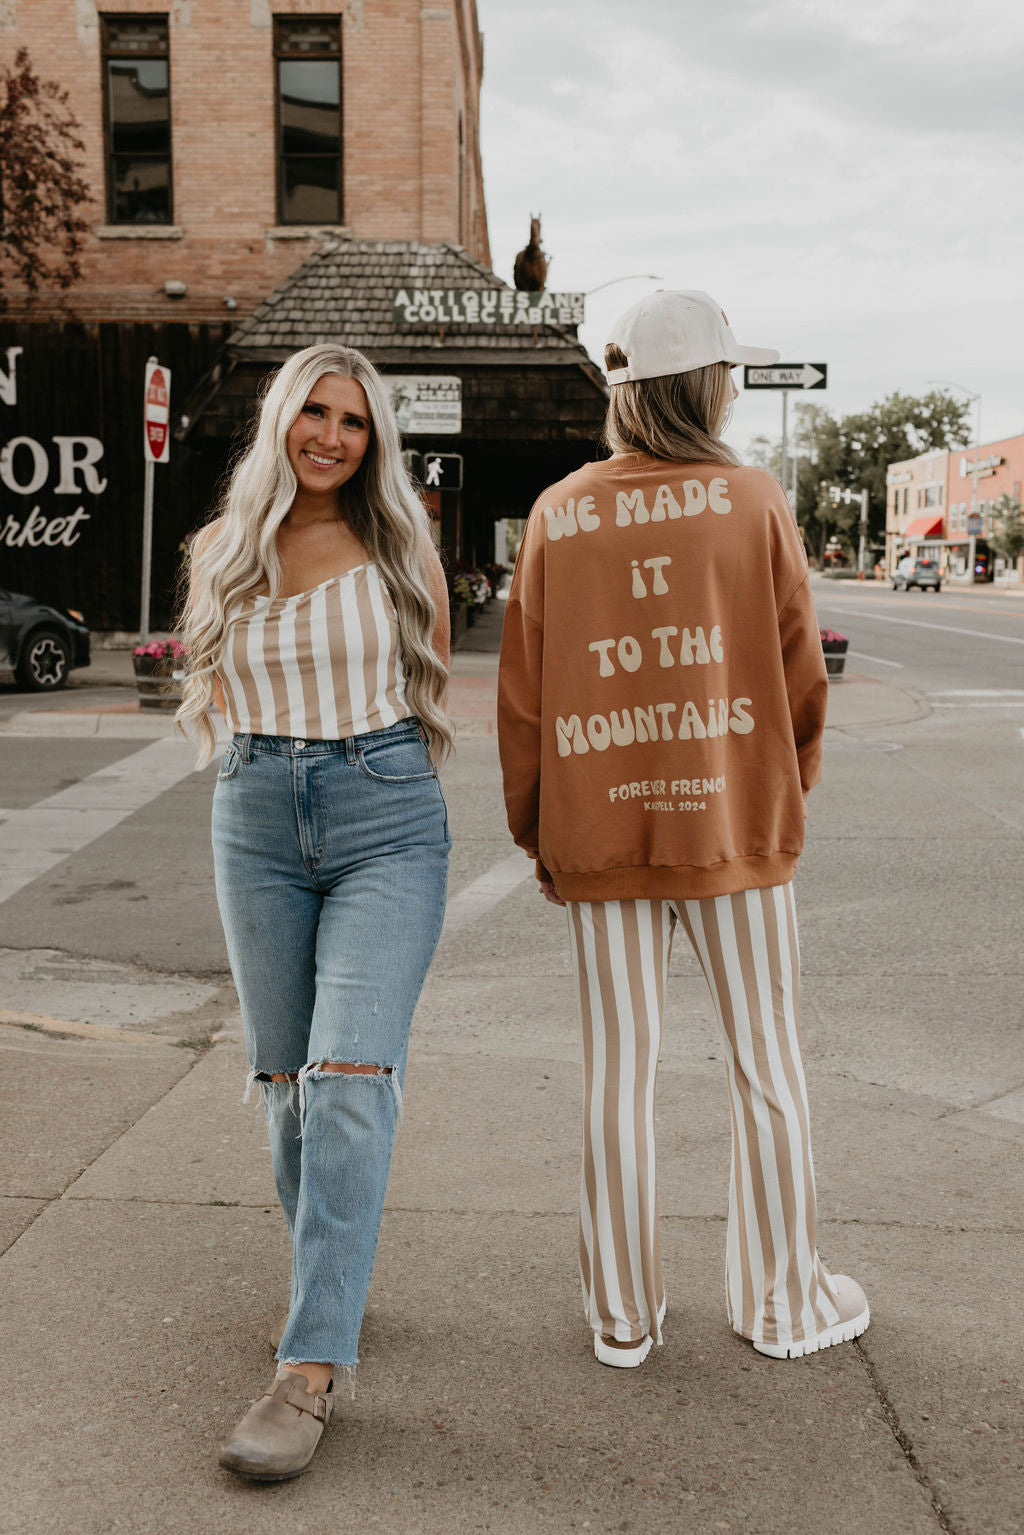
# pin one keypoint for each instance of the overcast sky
(846, 179)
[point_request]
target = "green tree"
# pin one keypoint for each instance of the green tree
(854, 453)
(1008, 539)
(41, 229)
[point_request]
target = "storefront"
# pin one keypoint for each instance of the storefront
(71, 465)
(494, 393)
(915, 506)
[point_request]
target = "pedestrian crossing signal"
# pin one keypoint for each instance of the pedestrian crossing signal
(442, 471)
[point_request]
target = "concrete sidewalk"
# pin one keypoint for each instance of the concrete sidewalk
(146, 1259)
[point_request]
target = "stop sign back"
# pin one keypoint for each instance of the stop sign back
(156, 413)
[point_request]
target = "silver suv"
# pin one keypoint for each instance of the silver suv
(914, 572)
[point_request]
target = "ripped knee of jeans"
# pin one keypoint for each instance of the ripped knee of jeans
(373, 1073)
(274, 1088)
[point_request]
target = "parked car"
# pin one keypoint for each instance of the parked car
(39, 643)
(915, 572)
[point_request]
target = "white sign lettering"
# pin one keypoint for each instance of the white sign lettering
(486, 306)
(37, 530)
(72, 464)
(9, 380)
(25, 467)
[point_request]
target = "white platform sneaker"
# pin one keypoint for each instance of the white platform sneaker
(626, 1358)
(854, 1316)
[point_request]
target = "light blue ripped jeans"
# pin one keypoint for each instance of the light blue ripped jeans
(331, 860)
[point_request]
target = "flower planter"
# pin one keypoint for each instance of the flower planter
(159, 680)
(835, 658)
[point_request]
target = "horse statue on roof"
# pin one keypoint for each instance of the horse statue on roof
(530, 271)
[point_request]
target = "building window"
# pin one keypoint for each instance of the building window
(136, 81)
(307, 53)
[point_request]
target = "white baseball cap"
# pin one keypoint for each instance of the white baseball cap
(673, 332)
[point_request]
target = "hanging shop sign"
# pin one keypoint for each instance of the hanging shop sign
(485, 306)
(426, 402)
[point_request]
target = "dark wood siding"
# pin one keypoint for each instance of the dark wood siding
(87, 380)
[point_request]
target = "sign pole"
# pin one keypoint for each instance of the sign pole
(156, 447)
(147, 552)
(863, 534)
(785, 397)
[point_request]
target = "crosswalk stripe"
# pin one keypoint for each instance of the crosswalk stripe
(36, 840)
(486, 891)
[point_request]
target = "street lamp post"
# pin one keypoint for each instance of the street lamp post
(971, 537)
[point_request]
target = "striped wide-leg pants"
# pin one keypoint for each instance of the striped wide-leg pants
(777, 1289)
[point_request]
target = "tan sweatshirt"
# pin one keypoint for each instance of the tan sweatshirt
(662, 689)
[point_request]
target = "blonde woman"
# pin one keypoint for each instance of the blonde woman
(317, 618)
(661, 706)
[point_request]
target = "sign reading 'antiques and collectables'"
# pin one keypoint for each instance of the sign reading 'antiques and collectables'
(426, 402)
(787, 375)
(486, 306)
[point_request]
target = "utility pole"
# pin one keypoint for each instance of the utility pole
(837, 494)
(863, 534)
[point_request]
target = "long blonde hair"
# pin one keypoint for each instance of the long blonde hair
(679, 418)
(239, 558)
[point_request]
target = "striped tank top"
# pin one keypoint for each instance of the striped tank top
(322, 665)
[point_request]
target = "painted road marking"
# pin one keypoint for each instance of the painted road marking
(920, 623)
(978, 693)
(947, 603)
(878, 660)
(486, 891)
(34, 841)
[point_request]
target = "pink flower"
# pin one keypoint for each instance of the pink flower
(831, 637)
(162, 650)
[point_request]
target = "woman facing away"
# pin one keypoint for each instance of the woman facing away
(661, 704)
(317, 617)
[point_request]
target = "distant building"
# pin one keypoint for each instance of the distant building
(229, 148)
(915, 504)
(933, 511)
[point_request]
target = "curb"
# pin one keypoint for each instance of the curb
(134, 727)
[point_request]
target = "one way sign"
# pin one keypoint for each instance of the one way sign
(787, 375)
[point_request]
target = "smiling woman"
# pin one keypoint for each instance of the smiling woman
(329, 437)
(317, 615)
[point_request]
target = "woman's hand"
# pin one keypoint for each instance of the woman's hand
(547, 886)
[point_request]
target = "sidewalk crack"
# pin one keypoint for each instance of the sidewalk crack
(892, 1421)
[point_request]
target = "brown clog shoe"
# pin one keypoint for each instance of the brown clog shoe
(279, 1434)
(277, 1333)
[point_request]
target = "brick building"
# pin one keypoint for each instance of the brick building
(938, 508)
(230, 144)
(223, 136)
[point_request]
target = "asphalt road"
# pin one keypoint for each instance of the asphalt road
(930, 642)
(144, 1260)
